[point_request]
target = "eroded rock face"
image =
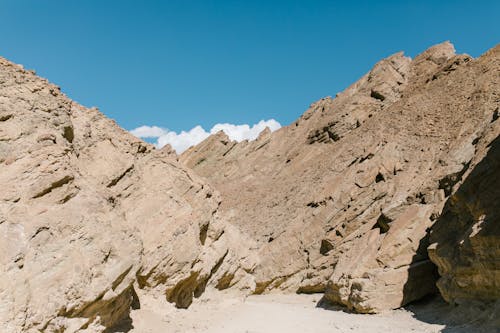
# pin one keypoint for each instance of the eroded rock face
(339, 202)
(342, 200)
(88, 214)
(466, 237)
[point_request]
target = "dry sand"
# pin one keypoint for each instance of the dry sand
(272, 313)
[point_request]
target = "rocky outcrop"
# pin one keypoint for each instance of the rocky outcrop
(466, 237)
(342, 200)
(88, 214)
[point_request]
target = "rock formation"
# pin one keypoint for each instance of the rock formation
(342, 200)
(466, 237)
(345, 201)
(88, 214)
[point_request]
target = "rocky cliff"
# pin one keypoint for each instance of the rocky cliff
(88, 214)
(346, 201)
(466, 237)
(342, 200)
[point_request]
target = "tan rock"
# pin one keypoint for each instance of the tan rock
(341, 201)
(88, 214)
(377, 161)
(466, 237)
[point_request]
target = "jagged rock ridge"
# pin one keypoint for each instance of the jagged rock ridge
(342, 200)
(89, 214)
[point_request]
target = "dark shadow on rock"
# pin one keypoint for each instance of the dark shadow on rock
(468, 256)
(126, 324)
(422, 275)
(470, 318)
(325, 304)
(135, 304)
(479, 194)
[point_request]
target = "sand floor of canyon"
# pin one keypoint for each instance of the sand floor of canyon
(283, 313)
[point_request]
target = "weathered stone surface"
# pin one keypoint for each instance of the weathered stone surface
(341, 200)
(385, 271)
(466, 237)
(88, 214)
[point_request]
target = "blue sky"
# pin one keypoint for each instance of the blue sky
(178, 64)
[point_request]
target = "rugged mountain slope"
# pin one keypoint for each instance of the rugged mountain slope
(466, 237)
(342, 200)
(88, 214)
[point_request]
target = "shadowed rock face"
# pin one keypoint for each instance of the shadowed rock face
(88, 214)
(467, 235)
(342, 200)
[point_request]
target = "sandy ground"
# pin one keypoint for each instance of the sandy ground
(273, 313)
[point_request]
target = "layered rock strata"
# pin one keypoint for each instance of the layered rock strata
(345, 201)
(342, 200)
(88, 214)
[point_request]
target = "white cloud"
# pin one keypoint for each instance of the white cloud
(245, 132)
(183, 140)
(149, 132)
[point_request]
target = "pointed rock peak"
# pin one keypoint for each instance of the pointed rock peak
(400, 62)
(266, 133)
(494, 53)
(397, 57)
(220, 136)
(387, 77)
(210, 143)
(397, 63)
(168, 150)
(438, 53)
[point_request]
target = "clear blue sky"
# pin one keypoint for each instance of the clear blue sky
(178, 64)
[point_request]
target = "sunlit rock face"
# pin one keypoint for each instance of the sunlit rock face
(89, 214)
(343, 199)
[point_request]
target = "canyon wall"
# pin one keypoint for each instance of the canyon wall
(377, 197)
(342, 200)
